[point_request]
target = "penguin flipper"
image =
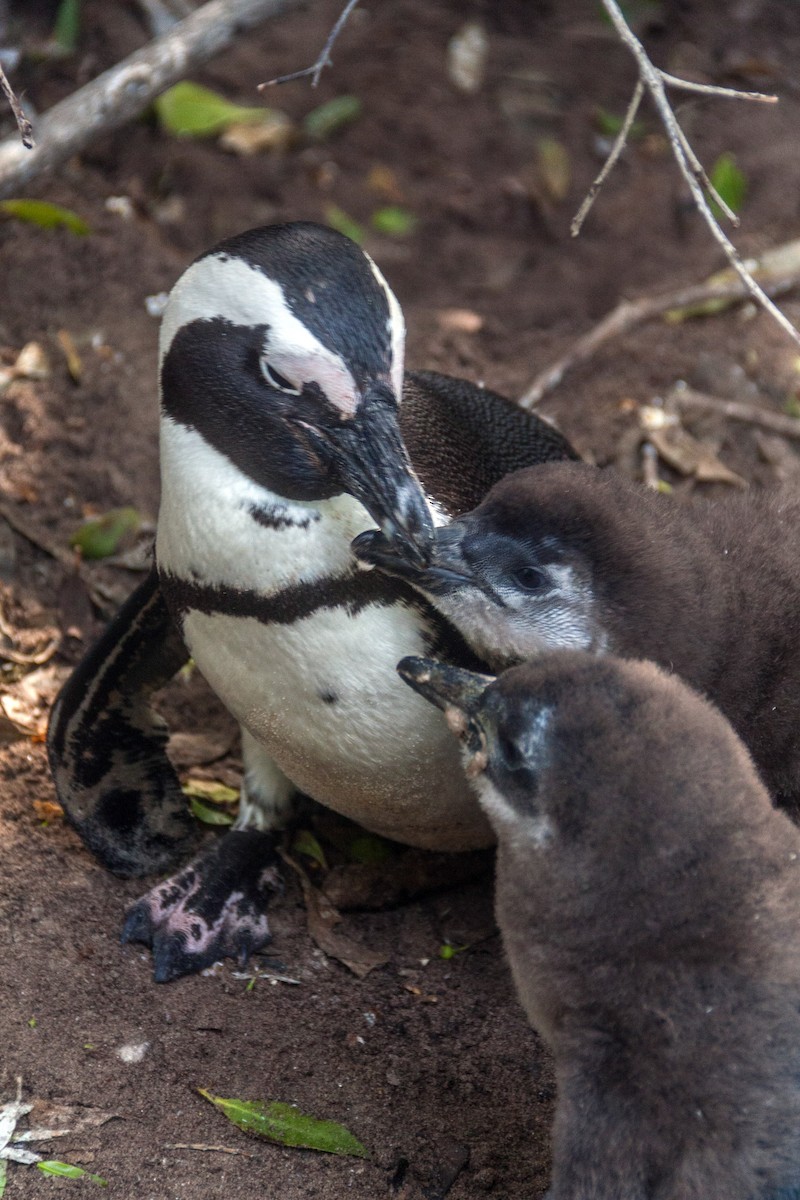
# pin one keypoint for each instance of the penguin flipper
(106, 746)
(214, 908)
(463, 439)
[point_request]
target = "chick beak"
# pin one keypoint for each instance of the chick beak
(456, 692)
(370, 459)
(446, 571)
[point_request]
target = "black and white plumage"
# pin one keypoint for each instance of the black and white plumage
(283, 436)
(649, 901)
(573, 557)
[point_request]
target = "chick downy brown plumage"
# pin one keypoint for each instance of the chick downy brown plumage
(564, 555)
(647, 893)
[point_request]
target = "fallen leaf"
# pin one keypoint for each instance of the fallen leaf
(686, 455)
(247, 139)
(554, 168)
(323, 122)
(210, 790)
(384, 181)
(197, 749)
(67, 28)
(74, 364)
(393, 221)
(189, 110)
(730, 182)
(467, 51)
(459, 320)
(322, 918)
(286, 1125)
(47, 810)
(32, 362)
(101, 536)
(207, 814)
(338, 219)
(68, 1171)
(305, 843)
(45, 215)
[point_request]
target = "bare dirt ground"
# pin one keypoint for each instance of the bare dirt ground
(429, 1061)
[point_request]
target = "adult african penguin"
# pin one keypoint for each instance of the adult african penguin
(283, 436)
(571, 556)
(648, 898)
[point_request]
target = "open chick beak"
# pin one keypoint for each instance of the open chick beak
(372, 463)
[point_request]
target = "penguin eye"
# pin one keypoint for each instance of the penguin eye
(529, 579)
(276, 380)
(509, 751)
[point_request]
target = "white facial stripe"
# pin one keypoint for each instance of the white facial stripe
(397, 327)
(229, 289)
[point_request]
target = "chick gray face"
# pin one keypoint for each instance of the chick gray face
(511, 595)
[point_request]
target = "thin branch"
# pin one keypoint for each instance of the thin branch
(778, 270)
(324, 60)
(712, 89)
(703, 179)
(654, 81)
(610, 163)
(123, 92)
(686, 397)
(23, 124)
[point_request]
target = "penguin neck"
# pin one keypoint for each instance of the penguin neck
(219, 526)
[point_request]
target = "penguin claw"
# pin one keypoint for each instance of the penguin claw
(214, 908)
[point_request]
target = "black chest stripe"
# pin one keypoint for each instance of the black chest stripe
(351, 592)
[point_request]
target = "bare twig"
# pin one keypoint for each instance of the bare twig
(696, 178)
(23, 124)
(120, 94)
(712, 89)
(778, 271)
(608, 166)
(324, 60)
(203, 1146)
(686, 397)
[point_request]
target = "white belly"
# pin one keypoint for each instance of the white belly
(323, 697)
(379, 754)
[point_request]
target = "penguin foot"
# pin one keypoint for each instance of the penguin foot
(214, 908)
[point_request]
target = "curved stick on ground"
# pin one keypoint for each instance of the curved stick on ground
(777, 271)
(121, 93)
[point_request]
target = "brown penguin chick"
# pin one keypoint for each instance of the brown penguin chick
(649, 899)
(567, 556)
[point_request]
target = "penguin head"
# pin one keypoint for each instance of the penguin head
(283, 348)
(610, 758)
(518, 575)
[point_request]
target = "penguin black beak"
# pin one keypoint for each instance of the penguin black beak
(456, 692)
(369, 456)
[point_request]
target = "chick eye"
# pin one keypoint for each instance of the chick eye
(278, 381)
(529, 579)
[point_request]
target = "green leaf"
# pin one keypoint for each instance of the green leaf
(210, 790)
(66, 1171)
(369, 849)
(189, 110)
(100, 537)
(2, 1177)
(286, 1125)
(730, 182)
(338, 219)
(45, 215)
(321, 123)
(207, 814)
(448, 950)
(394, 221)
(306, 843)
(67, 28)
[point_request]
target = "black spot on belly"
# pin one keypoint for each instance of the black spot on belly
(328, 697)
